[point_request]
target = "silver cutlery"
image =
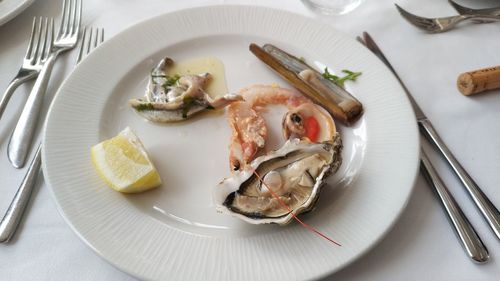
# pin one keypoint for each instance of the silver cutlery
(15, 212)
(437, 25)
(471, 242)
(95, 37)
(65, 40)
(16, 209)
(468, 11)
(466, 233)
(36, 54)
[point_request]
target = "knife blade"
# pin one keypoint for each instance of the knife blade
(370, 44)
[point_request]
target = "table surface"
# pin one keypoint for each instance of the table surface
(421, 246)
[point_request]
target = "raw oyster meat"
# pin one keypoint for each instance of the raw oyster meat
(294, 173)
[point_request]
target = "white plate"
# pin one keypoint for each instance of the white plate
(11, 8)
(174, 232)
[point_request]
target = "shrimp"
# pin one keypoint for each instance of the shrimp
(249, 130)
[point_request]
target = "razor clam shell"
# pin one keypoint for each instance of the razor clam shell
(296, 65)
(340, 103)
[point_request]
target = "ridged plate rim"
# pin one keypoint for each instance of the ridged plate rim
(390, 122)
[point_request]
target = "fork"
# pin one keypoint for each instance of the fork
(437, 25)
(36, 54)
(16, 209)
(66, 39)
(464, 10)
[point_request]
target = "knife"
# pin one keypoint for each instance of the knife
(471, 242)
(488, 210)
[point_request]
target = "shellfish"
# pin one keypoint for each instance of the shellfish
(340, 103)
(249, 130)
(294, 173)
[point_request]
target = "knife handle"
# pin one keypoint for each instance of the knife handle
(465, 231)
(483, 203)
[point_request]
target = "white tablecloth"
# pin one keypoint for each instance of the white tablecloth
(421, 246)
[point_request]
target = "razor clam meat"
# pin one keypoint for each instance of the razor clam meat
(309, 121)
(170, 99)
(294, 173)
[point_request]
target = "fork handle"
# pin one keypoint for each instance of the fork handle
(465, 231)
(488, 210)
(478, 17)
(16, 209)
(22, 136)
(21, 77)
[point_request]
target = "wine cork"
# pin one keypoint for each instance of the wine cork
(473, 82)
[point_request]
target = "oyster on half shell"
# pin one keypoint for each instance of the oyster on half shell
(295, 173)
(171, 99)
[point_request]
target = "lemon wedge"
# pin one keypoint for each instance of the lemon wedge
(123, 163)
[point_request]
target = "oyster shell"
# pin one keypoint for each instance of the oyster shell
(171, 99)
(295, 173)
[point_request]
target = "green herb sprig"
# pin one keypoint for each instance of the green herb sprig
(190, 102)
(350, 76)
(144, 106)
(171, 80)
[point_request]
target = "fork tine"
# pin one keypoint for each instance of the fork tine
(32, 38)
(49, 39)
(34, 51)
(78, 17)
(64, 18)
(102, 35)
(41, 39)
(72, 17)
(89, 41)
(82, 43)
(408, 16)
(425, 23)
(88, 37)
(96, 39)
(45, 36)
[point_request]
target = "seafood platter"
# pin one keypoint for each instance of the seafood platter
(264, 186)
(221, 145)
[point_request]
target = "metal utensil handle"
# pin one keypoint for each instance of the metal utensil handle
(16, 209)
(489, 211)
(21, 78)
(22, 136)
(482, 17)
(465, 231)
